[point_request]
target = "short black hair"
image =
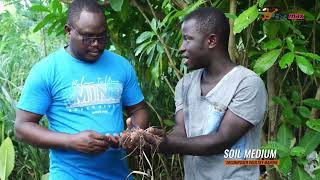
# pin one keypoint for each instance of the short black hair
(211, 20)
(77, 6)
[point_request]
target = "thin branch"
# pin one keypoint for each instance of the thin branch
(158, 115)
(171, 63)
(170, 86)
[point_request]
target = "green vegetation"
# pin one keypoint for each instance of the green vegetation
(284, 52)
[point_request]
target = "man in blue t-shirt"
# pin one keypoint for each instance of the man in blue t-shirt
(81, 89)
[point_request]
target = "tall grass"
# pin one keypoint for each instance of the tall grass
(20, 49)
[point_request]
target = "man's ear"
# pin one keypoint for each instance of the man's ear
(67, 30)
(212, 41)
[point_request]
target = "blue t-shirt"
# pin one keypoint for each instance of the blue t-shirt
(77, 96)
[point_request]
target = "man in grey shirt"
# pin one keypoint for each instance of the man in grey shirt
(219, 106)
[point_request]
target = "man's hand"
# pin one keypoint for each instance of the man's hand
(89, 142)
(155, 137)
(114, 141)
(131, 123)
(132, 139)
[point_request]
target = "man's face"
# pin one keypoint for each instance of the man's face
(194, 48)
(87, 36)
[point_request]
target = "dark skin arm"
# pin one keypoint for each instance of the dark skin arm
(140, 114)
(231, 129)
(27, 129)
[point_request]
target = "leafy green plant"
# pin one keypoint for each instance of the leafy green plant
(283, 52)
(6, 158)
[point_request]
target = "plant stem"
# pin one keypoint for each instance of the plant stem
(159, 117)
(176, 71)
(170, 86)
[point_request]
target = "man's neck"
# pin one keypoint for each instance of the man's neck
(220, 65)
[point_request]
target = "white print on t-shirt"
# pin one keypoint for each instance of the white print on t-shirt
(104, 93)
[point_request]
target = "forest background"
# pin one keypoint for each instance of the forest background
(264, 38)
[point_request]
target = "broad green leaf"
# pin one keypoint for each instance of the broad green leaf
(307, 15)
(151, 54)
(295, 121)
(6, 158)
(276, 99)
(284, 135)
(154, 25)
(59, 7)
(165, 19)
(143, 36)
(285, 165)
(266, 61)
(286, 60)
(271, 28)
(45, 21)
(261, 3)
(45, 176)
(245, 18)
(160, 48)
(230, 16)
(56, 6)
(310, 141)
(39, 8)
(165, 3)
(317, 70)
(141, 47)
(314, 124)
(282, 150)
(294, 29)
(155, 73)
(314, 103)
(116, 4)
(304, 111)
(124, 13)
(150, 47)
(283, 101)
(297, 151)
(289, 115)
(300, 174)
(310, 55)
(295, 97)
(290, 44)
(271, 44)
(53, 26)
(169, 122)
(304, 65)
(317, 172)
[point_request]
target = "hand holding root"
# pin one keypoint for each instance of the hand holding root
(113, 141)
(155, 136)
(136, 139)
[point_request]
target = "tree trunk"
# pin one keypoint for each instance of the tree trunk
(271, 87)
(232, 41)
(272, 106)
